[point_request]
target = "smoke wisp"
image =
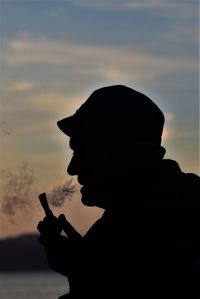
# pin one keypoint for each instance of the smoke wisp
(58, 194)
(17, 189)
(19, 194)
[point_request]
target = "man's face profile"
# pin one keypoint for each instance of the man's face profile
(108, 135)
(83, 165)
(92, 166)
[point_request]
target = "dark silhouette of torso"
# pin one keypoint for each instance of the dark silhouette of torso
(147, 246)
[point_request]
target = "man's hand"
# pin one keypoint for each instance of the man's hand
(61, 251)
(50, 226)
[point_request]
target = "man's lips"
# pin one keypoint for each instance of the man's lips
(82, 189)
(85, 189)
(85, 192)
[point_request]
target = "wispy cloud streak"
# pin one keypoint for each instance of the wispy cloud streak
(170, 7)
(84, 59)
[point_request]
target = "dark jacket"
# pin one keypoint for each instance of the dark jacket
(147, 245)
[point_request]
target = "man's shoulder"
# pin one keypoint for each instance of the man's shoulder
(180, 181)
(192, 178)
(191, 184)
(172, 168)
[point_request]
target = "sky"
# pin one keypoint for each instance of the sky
(53, 54)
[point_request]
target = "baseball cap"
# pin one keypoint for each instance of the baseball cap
(114, 110)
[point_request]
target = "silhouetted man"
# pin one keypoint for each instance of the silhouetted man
(146, 243)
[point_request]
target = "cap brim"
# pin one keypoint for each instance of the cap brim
(66, 125)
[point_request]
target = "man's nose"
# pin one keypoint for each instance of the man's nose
(72, 167)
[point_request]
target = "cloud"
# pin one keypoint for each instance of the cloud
(55, 77)
(172, 133)
(23, 86)
(169, 116)
(117, 3)
(158, 3)
(173, 9)
(165, 135)
(145, 4)
(183, 34)
(96, 61)
(170, 5)
(80, 63)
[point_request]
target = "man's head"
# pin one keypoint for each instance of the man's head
(115, 130)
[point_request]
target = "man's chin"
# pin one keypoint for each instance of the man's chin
(88, 197)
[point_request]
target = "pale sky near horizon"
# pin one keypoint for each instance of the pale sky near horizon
(53, 54)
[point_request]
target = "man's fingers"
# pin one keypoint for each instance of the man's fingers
(47, 225)
(40, 227)
(68, 228)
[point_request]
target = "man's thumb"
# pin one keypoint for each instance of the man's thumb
(68, 228)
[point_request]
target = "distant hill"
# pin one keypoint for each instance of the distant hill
(22, 253)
